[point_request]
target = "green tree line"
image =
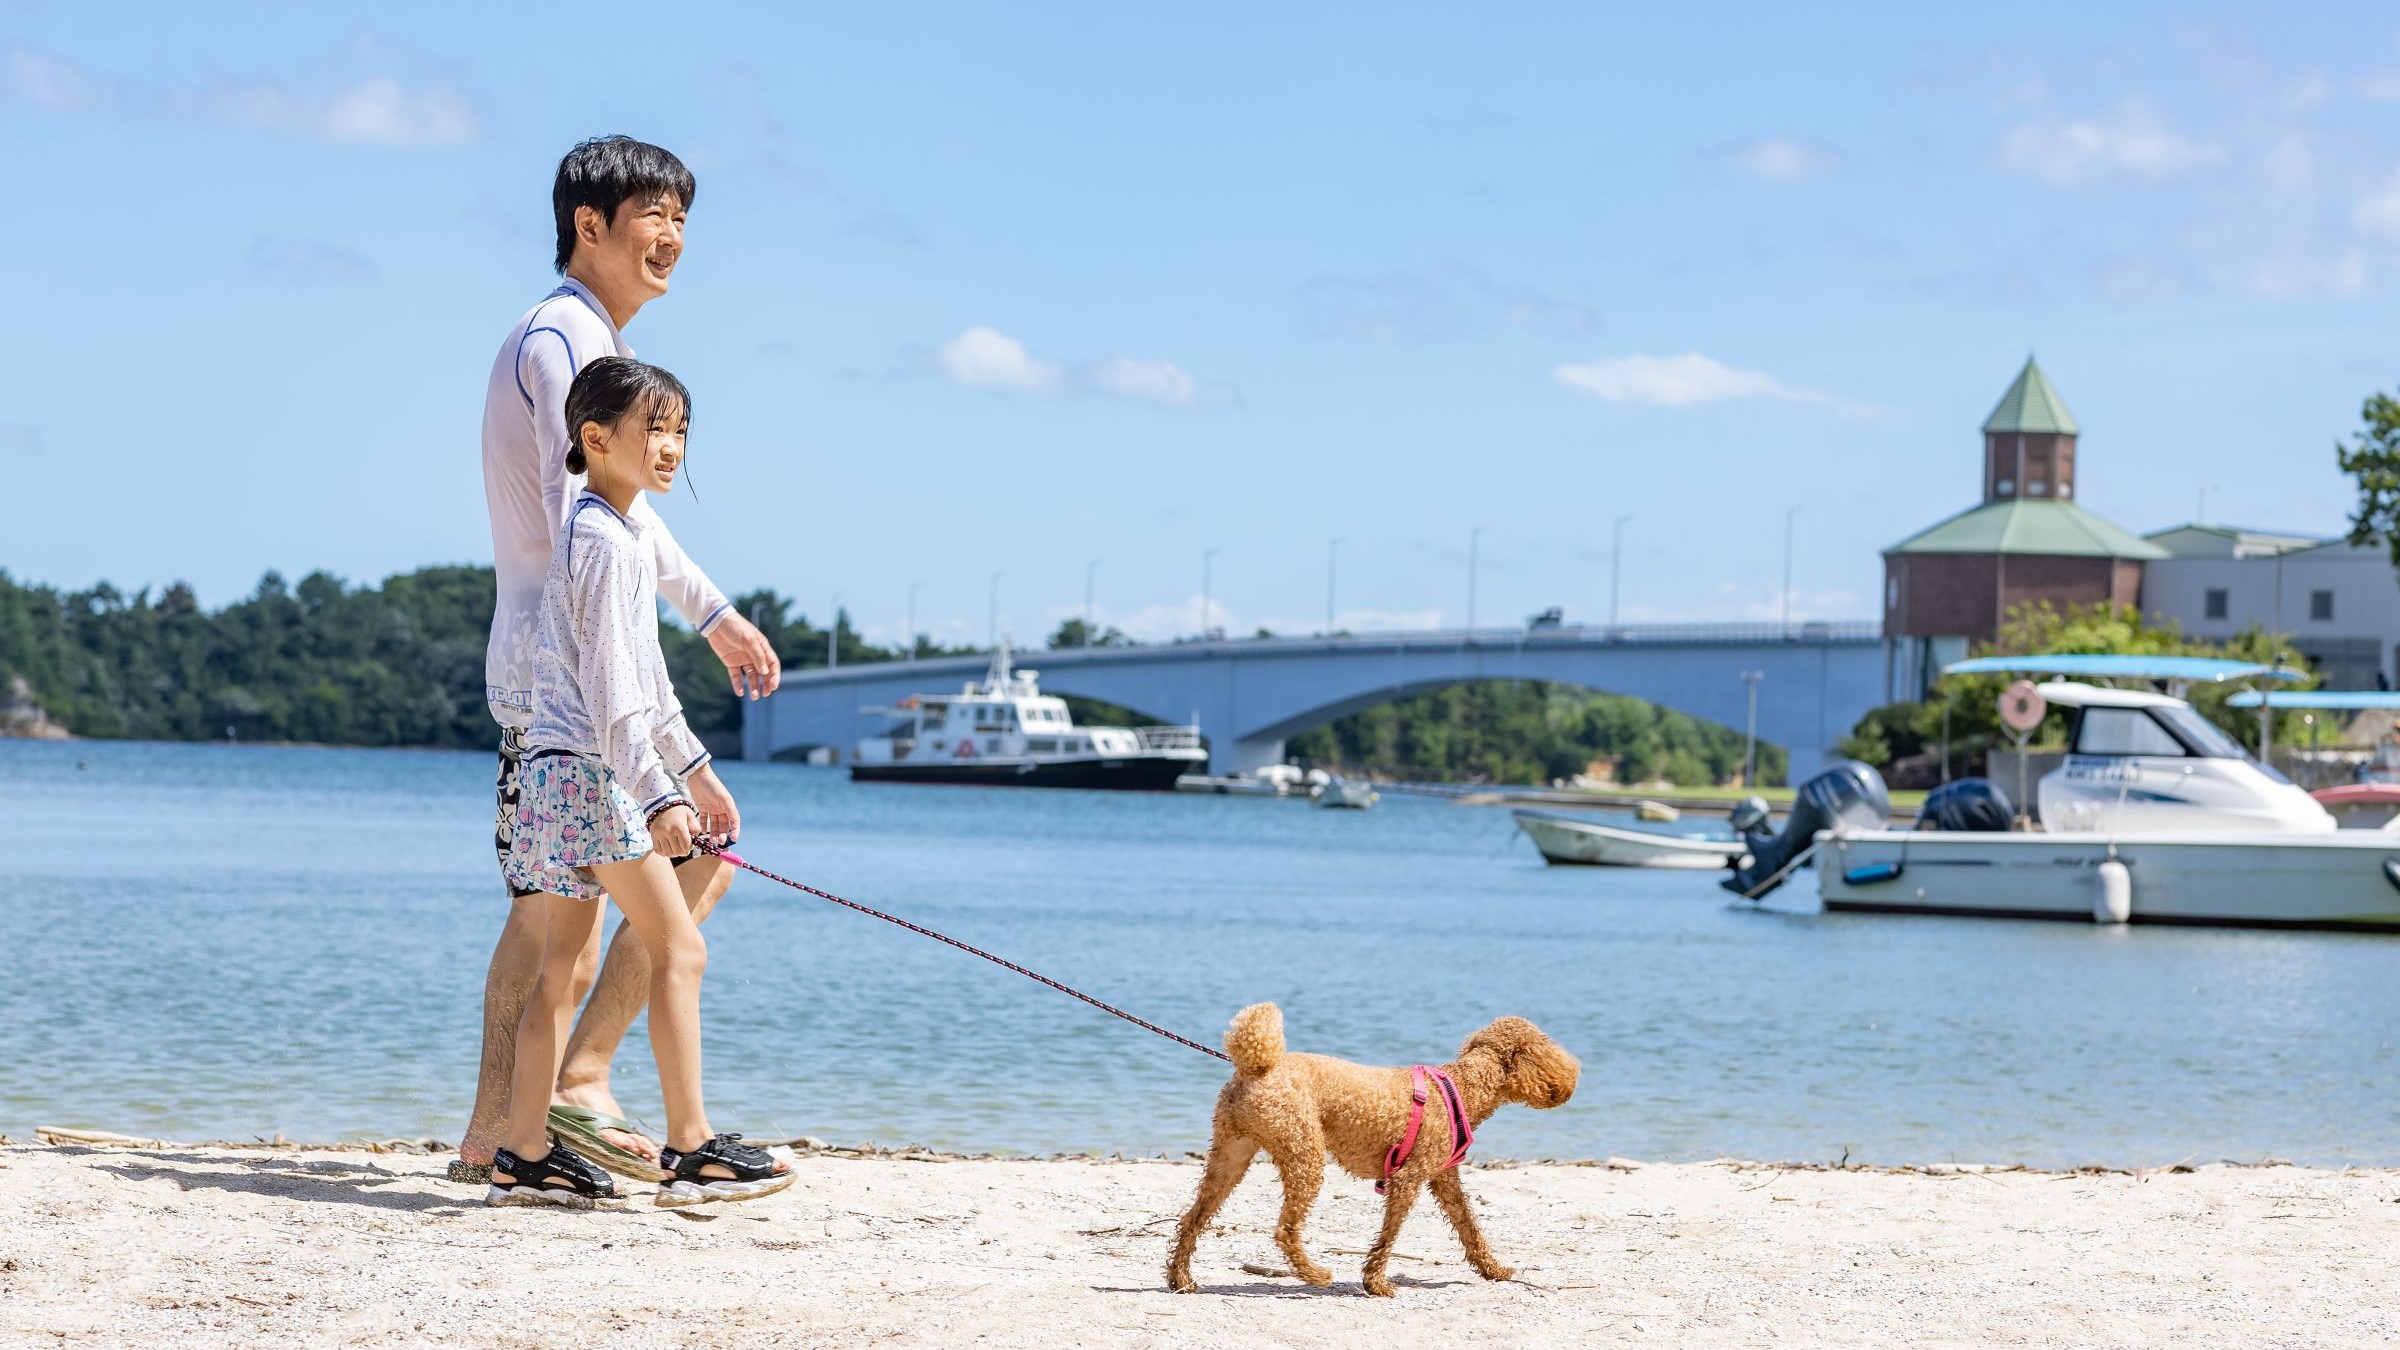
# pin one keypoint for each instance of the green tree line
(399, 663)
(1534, 732)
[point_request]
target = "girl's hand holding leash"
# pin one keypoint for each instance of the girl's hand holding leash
(671, 830)
(720, 819)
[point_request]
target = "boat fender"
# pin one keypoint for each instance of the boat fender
(2115, 904)
(1872, 873)
(2391, 869)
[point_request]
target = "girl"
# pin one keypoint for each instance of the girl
(602, 809)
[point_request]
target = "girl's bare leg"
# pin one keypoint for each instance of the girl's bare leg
(568, 928)
(646, 891)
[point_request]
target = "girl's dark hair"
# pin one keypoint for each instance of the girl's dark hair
(604, 173)
(609, 389)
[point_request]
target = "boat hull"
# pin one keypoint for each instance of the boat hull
(2345, 880)
(1569, 842)
(1138, 773)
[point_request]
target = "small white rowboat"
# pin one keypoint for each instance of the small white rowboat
(1578, 840)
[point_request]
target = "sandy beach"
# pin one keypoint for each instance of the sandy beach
(202, 1246)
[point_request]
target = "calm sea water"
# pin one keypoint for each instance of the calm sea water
(220, 941)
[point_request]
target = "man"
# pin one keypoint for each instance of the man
(619, 207)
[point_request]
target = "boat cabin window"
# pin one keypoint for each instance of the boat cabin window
(2124, 731)
(2168, 732)
(2203, 737)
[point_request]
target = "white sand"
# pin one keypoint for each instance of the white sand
(189, 1246)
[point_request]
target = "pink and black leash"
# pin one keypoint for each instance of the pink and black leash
(1152, 1027)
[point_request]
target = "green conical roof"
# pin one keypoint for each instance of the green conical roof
(2029, 525)
(2031, 404)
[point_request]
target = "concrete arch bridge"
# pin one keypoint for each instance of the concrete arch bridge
(1249, 694)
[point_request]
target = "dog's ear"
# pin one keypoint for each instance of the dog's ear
(1534, 1069)
(1504, 1039)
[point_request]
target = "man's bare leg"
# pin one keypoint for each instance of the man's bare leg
(618, 997)
(516, 963)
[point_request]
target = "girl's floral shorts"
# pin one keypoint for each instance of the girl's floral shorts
(571, 816)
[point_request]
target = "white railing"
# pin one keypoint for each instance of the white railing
(1168, 738)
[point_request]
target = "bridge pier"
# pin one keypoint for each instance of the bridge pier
(1229, 755)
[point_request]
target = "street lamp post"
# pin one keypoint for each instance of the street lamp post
(1750, 736)
(1474, 551)
(833, 628)
(1208, 558)
(1332, 554)
(1088, 569)
(911, 637)
(1787, 569)
(1616, 554)
(995, 616)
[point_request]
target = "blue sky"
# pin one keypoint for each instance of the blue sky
(978, 288)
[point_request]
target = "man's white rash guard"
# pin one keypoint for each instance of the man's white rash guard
(529, 491)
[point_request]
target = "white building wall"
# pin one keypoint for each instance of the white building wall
(2355, 648)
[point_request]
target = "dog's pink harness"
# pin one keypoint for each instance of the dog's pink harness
(1461, 1129)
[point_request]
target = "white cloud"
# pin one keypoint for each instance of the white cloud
(986, 358)
(886, 227)
(377, 110)
(1449, 300)
(1783, 161)
(2377, 215)
(983, 357)
(2132, 142)
(383, 112)
(1679, 382)
(40, 80)
(308, 263)
(1157, 381)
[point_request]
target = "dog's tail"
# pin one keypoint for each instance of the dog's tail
(1255, 1040)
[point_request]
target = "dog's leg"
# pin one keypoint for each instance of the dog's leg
(1228, 1159)
(1399, 1198)
(1301, 1165)
(1446, 1188)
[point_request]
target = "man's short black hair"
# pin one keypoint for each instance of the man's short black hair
(604, 173)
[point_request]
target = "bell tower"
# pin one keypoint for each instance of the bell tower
(2029, 442)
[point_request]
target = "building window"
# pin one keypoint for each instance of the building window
(2037, 487)
(2320, 606)
(2212, 605)
(2008, 487)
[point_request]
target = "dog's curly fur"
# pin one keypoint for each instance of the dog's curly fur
(1302, 1108)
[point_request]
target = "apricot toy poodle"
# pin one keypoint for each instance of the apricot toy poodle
(1399, 1127)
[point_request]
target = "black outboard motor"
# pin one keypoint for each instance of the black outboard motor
(1975, 805)
(1849, 793)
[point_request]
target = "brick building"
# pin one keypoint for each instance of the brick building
(1948, 586)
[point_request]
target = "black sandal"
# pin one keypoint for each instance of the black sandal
(587, 1187)
(753, 1171)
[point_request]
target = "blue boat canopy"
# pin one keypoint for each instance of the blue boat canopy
(2188, 669)
(2342, 700)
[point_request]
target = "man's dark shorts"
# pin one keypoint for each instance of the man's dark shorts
(504, 809)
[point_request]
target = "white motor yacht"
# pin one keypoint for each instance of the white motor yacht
(1007, 732)
(2155, 817)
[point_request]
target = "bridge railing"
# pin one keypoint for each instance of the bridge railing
(1812, 632)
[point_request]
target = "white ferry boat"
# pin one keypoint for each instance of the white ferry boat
(1005, 731)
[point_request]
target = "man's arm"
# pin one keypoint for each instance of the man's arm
(750, 660)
